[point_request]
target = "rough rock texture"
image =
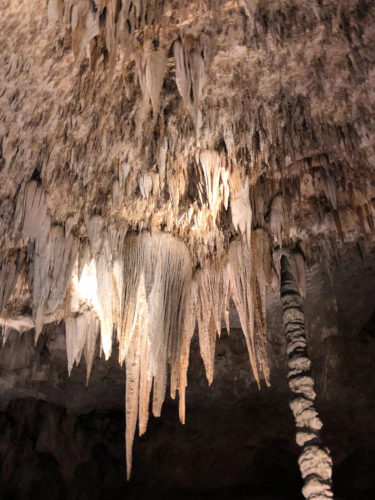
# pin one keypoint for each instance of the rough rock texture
(176, 104)
(315, 461)
(157, 157)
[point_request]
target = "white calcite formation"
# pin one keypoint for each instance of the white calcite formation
(141, 291)
(157, 156)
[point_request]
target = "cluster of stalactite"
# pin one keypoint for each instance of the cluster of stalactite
(156, 156)
(138, 289)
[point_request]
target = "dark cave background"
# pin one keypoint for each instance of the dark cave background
(63, 440)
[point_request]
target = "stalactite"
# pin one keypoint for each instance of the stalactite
(315, 460)
(145, 184)
(187, 334)
(51, 272)
(215, 180)
(328, 185)
(132, 395)
(277, 219)
(140, 286)
(5, 330)
(145, 383)
(54, 10)
(190, 75)
(242, 292)
(155, 291)
(52, 253)
(31, 215)
(241, 211)
(106, 294)
(186, 118)
(81, 335)
(156, 66)
(212, 304)
(106, 246)
(261, 281)
(9, 269)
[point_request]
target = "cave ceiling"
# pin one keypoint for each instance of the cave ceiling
(157, 158)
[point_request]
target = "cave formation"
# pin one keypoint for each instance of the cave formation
(187, 200)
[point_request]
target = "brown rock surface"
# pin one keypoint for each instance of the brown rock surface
(156, 159)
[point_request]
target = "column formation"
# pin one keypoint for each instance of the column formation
(315, 461)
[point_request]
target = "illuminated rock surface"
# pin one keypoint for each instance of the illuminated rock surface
(157, 158)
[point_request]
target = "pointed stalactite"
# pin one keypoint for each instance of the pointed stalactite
(315, 461)
(187, 335)
(261, 280)
(145, 385)
(131, 396)
(81, 335)
(9, 270)
(212, 303)
(249, 276)
(190, 75)
(5, 331)
(241, 211)
(240, 279)
(215, 186)
(50, 274)
(154, 76)
(277, 219)
(153, 285)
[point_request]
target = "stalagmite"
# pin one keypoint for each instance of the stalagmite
(315, 460)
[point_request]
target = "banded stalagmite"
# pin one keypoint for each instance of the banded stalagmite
(315, 461)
